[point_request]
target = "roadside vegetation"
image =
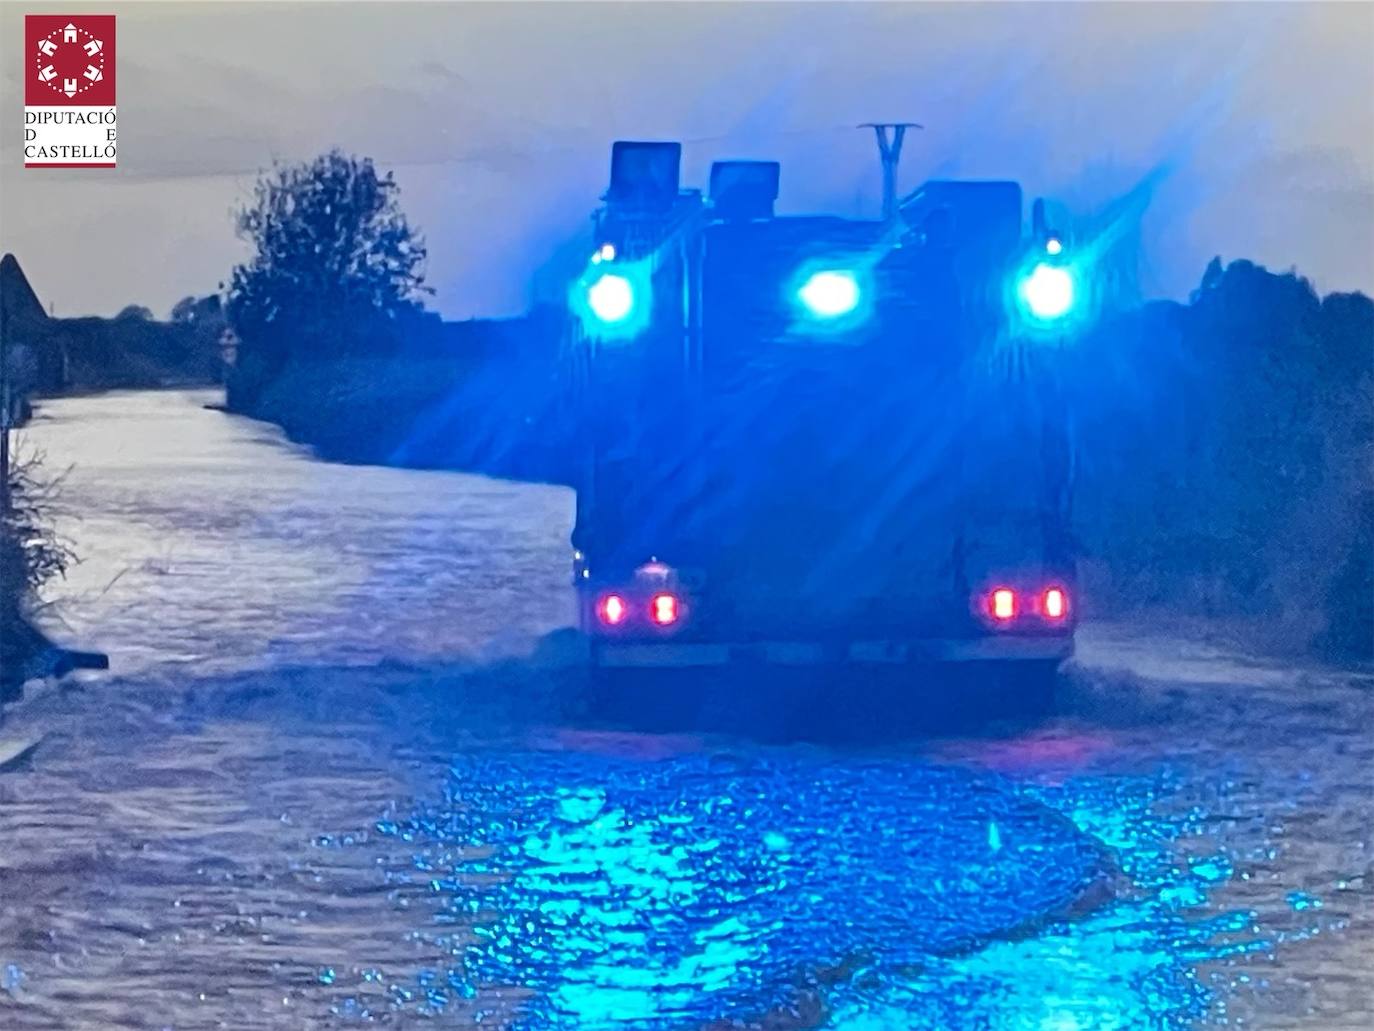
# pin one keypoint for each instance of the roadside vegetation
(31, 555)
(335, 346)
(1226, 467)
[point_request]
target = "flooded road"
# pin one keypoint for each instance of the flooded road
(338, 776)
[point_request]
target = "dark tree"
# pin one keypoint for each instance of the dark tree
(136, 311)
(193, 310)
(335, 265)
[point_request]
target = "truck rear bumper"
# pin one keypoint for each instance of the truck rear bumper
(666, 654)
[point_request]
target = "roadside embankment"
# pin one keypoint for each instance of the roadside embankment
(489, 396)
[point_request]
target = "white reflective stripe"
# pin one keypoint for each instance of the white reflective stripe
(798, 653)
(786, 653)
(664, 654)
(879, 651)
(1008, 647)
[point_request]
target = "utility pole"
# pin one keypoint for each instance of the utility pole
(890, 136)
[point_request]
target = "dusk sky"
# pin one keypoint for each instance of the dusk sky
(1242, 129)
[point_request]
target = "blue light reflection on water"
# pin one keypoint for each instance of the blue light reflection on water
(857, 895)
(679, 892)
(1133, 964)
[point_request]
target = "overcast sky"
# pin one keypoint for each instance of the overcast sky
(1240, 129)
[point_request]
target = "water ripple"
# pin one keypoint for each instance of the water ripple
(674, 893)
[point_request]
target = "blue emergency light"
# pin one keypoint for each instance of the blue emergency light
(830, 293)
(1047, 292)
(613, 299)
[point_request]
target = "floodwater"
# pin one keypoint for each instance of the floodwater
(339, 776)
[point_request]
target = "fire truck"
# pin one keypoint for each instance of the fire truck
(822, 441)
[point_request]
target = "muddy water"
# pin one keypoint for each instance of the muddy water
(338, 776)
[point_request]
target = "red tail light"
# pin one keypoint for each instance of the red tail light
(664, 609)
(1002, 604)
(1054, 604)
(612, 610)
